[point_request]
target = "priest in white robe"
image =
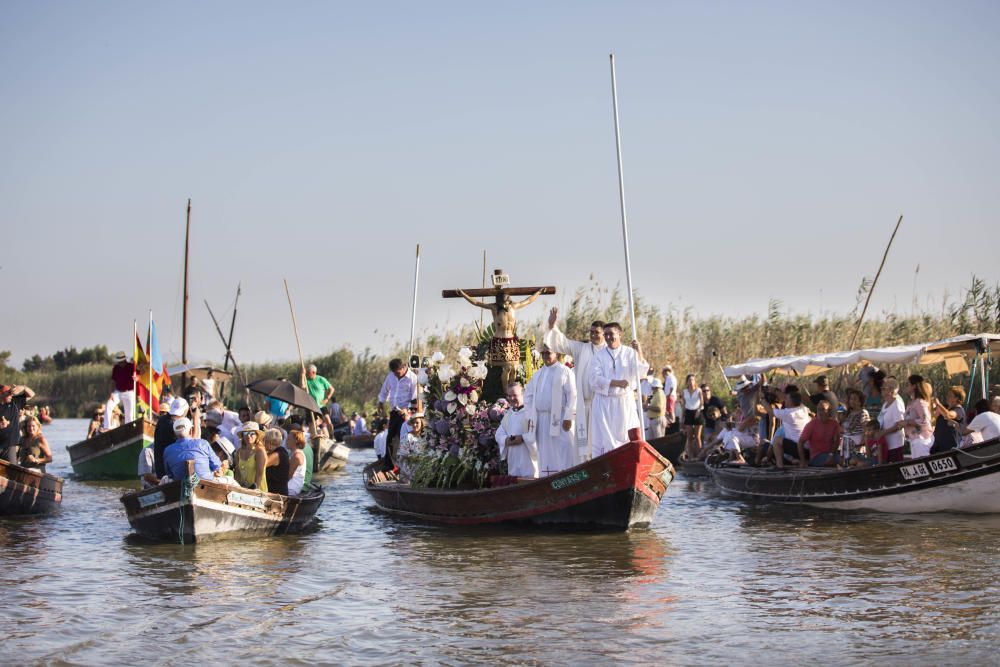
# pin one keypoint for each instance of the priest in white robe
(614, 374)
(550, 398)
(583, 352)
(516, 436)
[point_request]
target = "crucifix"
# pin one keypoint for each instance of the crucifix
(505, 349)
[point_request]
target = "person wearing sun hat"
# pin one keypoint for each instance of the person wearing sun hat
(12, 400)
(250, 460)
(122, 387)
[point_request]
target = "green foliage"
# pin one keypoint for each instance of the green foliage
(67, 358)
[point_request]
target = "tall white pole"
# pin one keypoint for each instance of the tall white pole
(628, 261)
(135, 391)
(149, 360)
(413, 316)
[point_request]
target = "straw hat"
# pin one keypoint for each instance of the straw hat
(120, 356)
(263, 418)
(250, 427)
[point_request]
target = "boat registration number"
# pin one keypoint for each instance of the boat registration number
(151, 499)
(914, 471)
(245, 499)
(570, 480)
(943, 465)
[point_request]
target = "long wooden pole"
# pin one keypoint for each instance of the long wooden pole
(857, 329)
(413, 312)
(229, 342)
(184, 331)
(229, 352)
(302, 360)
(628, 262)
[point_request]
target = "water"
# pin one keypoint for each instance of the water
(711, 582)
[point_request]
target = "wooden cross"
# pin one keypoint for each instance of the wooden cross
(499, 288)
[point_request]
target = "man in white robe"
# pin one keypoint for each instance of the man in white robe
(614, 374)
(583, 352)
(550, 398)
(516, 436)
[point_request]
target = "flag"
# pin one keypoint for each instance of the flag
(142, 381)
(157, 371)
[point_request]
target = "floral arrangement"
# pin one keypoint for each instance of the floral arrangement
(459, 448)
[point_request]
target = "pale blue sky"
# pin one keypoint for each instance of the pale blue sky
(769, 148)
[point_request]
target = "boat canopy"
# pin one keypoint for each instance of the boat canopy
(200, 371)
(954, 353)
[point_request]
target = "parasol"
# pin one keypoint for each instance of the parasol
(283, 390)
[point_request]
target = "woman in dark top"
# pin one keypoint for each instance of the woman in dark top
(949, 420)
(276, 471)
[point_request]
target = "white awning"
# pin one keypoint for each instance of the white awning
(955, 353)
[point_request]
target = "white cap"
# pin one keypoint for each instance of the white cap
(182, 426)
(179, 408)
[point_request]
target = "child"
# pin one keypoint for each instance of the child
(875, 449)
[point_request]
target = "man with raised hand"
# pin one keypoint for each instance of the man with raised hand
(583, 352)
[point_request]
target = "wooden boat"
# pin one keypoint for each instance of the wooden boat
(621, 490)
(693, 468)
(113, 454)
(184, 512)
(959, 480)
(669, 446)
(331, 456)
(24, 491)
(359, 441)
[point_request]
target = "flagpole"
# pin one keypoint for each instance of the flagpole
(135, 393)
(628, 263)
(149, 360)
(413, 316)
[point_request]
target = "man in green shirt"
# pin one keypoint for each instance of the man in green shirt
(322, 391)
(319, 388)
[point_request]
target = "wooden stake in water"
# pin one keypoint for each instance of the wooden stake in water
(302, 360)
(628, 262)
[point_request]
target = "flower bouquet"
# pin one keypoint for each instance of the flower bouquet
(459, 449)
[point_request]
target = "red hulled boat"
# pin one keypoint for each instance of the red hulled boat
(619, 490)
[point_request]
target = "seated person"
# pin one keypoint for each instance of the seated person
(147, 468)
(220, 445)
(793, 417)
(188, 448)
(875, 449)
(251, 457)
(296, 462)
(713, 425)
(949, 419)
(277, 465)
(409, 444)
(382, 434)
(96, 422)
(360, 425)
(33, 452)
(740, 438)
(986, 424)
(821, 437)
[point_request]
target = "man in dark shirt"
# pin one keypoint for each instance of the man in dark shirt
(824, 393)
(708, 401)
(12, 400)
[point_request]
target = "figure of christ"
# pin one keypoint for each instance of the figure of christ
(505, 349)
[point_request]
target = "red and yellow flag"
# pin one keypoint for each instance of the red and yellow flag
(149, 408)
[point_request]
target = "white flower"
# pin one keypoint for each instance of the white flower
(445, 373)
(464, 382)
(463, 399)
(479, 370)
(422, 376)
(449, 396)
(465, 354)
(474, 396)
(437, 357)
(452, 407)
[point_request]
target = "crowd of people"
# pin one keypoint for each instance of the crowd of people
(21, 439)
(869, 424)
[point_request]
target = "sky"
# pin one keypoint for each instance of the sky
(768, 150)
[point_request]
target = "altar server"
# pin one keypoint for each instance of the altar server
(550, 398)
(516, 436)
(583, 352)
(614, 372)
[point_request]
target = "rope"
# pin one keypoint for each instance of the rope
(187, 489)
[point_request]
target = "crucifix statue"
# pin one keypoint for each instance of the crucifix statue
(505, 348)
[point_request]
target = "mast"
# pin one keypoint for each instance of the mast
(413, 316)
(184, 332)
(628, 264)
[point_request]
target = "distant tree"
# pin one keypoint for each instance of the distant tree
(4, 358)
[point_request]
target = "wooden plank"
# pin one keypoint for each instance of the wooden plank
(510, 291)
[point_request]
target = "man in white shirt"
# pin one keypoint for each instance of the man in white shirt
(614, 372)
(986, 424)
(670, 391)
(516, 436)
(400, 391)
(583, 352)
(551, 400)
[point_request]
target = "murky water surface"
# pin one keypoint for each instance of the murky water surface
(713, 581)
